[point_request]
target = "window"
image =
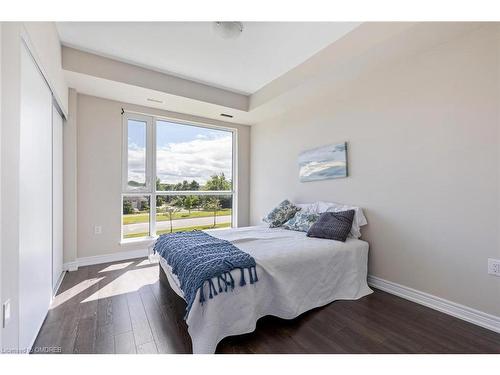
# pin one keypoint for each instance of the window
(136, 155)
(136, 216)
(176, 177)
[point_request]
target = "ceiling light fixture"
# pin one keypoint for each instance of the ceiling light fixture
(228, 30)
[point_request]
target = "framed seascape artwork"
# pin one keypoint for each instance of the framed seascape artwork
(323, 163)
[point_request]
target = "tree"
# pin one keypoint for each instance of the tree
(133, 183)
(127, 207)
(160, 200)
(193, 185)
(213, 204)
(178, 202)
(189, 202)
(185, 185)
(145, 205)
(218, 182)
(167, 187)
(170, 210)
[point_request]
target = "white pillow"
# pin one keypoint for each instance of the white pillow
(359, 217)
(309, 208)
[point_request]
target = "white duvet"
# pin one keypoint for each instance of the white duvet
(296, 274)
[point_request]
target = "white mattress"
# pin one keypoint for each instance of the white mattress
(296, 274)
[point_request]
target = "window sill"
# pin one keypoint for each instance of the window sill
(138, 241)
(151, 239)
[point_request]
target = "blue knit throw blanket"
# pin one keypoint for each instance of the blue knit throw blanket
(198, 258)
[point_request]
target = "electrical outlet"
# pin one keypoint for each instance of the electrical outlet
(494, 266)
(97, 229)
(5, 313)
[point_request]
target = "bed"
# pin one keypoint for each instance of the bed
(296, 274)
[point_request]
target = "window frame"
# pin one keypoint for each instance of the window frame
(149, 139)
(151, 172)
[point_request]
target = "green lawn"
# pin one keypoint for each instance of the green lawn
(144, 217)
(200, 227)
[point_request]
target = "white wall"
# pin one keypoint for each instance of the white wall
(70, 183)
(57, 197)
(423, 137)
(10, 172)
(1, 299)
(85, 63)
(43, 41)
(99, 145)
(47, 47)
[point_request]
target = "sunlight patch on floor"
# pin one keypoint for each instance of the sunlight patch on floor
(116, 267)
(71, 292)
(130, 281)
(148, 262)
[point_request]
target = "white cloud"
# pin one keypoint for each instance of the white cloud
(197, 159)
(136, 163)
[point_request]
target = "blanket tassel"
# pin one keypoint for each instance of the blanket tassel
(202, 295)
(210, 287)
(219, 278)
(224, 278)
(250, 273)
(228, 281)
(242, 280)
(232, 280)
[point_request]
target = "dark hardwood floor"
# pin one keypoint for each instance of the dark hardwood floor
(124, 307)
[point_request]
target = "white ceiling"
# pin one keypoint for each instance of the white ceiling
(192, 50)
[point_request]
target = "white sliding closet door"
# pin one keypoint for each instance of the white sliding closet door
(57, 196)
(35, 217)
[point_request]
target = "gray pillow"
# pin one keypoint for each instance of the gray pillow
(332, 225)
(302, 221)
(281, 213)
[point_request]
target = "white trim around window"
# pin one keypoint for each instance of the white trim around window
(150, 170)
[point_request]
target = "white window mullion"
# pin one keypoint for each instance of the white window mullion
(152, 174)
(124, 153)
(149, 156)
(234, 177)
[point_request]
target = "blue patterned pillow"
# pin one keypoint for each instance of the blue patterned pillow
(302, 221)
(281, 213)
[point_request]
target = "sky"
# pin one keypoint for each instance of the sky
(183, 152)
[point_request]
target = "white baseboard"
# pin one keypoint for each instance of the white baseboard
(98, 259)
(468, 314)
(59, 282)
